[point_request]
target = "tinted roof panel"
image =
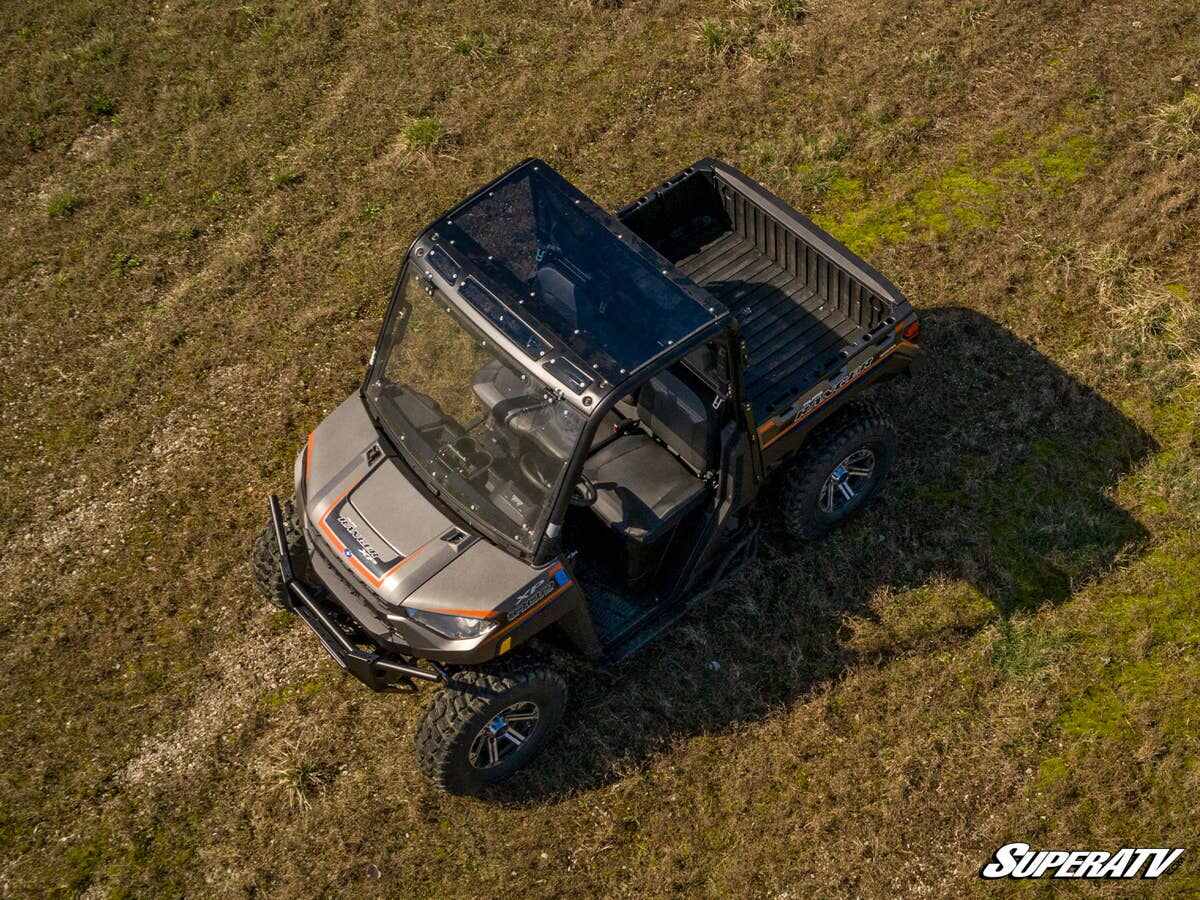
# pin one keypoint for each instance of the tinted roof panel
(571, 268)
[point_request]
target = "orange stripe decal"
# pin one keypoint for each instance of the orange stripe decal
(465, 613)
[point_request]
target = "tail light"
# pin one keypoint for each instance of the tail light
(912, 330)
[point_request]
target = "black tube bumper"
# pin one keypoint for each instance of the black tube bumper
(373, 669)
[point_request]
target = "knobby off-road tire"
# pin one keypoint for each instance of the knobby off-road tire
(486, 703)
(858, 439)
(264, 557)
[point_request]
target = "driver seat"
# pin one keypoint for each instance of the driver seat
(643, 488)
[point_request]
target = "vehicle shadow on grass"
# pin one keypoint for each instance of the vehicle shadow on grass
(1000, 503)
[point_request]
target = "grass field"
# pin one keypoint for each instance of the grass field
(204, 206)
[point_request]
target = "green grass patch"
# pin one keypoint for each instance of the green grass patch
(294, 693)
(287, 178)
(1069, 160)
(424, 133)
(63, 205)
(475, 45)
(1051, 771)
(791, 10)
(101, 105)
(1099, 714)
(124, 263)
(71, 435)
(1145, 636)
(955, 201)
(960, 200)
(1021, 648)
(714, 36)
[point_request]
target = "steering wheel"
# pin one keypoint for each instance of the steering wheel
(584, 492)
(530, 468)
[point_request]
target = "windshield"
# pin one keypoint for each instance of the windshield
(469, 419)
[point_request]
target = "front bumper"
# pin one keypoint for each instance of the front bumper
(342, 639)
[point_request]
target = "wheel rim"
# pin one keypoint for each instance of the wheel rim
(847, 481)
(504, 734)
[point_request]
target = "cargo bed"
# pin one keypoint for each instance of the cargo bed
(804, 303)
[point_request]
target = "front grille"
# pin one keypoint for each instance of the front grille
(336, 566)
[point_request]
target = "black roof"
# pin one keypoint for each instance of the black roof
(564, 279)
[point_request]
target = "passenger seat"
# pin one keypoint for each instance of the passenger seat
(642, 488)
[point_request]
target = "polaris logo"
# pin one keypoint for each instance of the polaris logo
(1018, 860)
(353, 531)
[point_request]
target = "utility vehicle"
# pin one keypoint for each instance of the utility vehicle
(565, 426)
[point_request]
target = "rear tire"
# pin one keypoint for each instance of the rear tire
(490, 724)
(264, 558)
(839, 472)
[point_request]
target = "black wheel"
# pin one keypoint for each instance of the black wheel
(840, 471)
(264, 557)
(491, 723)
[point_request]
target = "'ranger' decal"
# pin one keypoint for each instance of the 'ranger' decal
(372, 559)
(792, 417)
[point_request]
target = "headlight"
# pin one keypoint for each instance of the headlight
(456, 628)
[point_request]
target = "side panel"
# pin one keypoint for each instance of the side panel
(781, 436)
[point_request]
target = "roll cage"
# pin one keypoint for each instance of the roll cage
(541, 352)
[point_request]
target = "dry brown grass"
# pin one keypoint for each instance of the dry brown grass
(1155, 326)
(1004, 649)
(1175, 128)
(290, 773)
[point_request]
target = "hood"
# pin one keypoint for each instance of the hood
(387, 533)
(373, 523)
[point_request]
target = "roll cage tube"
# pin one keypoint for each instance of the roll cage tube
(547, 543)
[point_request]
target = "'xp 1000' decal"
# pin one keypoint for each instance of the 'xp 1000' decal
(539, 590)
(357, 548)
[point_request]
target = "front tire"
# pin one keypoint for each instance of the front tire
(264, 558)
(839, 472)
(489, 724)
